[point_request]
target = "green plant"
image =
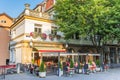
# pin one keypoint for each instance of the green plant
(43, 36)
(61, 66)
(51, 36)
(33, 61)
(98, 62)
(71, 63)
(90, 62)
(34, 35)
(42, 67)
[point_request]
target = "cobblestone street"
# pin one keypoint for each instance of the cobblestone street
(112, 74)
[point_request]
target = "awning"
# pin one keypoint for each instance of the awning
(80, 54)
(52, 50)
(49, 49)
(68, 54)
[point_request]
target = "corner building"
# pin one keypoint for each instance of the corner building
(34, 38)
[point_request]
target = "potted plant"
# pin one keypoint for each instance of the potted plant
(34, 35)
(42, 70)
(61, 69)
(51, 36)
(71, 64)
(33, 61)
(80, 66)
(72, 67)
(58, 37)
(43, 36)
(98, 65)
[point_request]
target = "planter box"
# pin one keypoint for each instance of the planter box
(60, 72)
(98, 69)
(42, 74)
(79, 71)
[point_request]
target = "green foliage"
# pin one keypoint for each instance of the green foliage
(98, 62)
(61, 66)
(88, 18)
(33, 61)
(42, 67)
(71, 64)
(90, 62)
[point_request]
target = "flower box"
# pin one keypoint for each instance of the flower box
(51, 36)
(43, 36)
(58, 37)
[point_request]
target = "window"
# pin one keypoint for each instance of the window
(54, 30)
(38, 28)
(3, 21)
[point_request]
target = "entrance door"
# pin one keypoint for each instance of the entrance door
(51, 63)
(37, 58)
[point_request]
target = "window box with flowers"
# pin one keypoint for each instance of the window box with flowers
(58, 37)
(51, 36)
(43, 36)
(34, 35)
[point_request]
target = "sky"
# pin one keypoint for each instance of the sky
(15, 7)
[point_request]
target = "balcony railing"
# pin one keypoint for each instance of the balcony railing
(81, 41)
(34, 13)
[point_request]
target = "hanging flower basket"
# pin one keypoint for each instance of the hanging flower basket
(34, 35)
(43, 36)
(58, 37)
(51, 36)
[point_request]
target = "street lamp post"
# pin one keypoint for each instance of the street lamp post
(59, 69)
(78, 63)
(98, 44)
(59, 64)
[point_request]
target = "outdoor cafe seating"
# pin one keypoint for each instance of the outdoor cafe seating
(70, 72)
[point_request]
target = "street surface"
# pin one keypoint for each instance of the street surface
(112, 74)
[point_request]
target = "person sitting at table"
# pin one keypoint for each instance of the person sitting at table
(76, 66)
(67, 69)
(93, 66)
(86, 68)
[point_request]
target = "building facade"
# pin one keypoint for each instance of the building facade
(5, 23)
(34, 38)
(31, 34)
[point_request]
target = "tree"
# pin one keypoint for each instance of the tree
(114, 21)
(89, 18)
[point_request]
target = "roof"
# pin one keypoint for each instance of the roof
(1, 14)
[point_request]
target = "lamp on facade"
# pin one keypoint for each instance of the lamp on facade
(66, 45)
(98, 38)
(31, 43)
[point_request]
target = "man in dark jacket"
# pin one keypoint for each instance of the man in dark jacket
(85, 67)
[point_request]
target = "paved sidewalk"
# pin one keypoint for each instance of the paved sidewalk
(112, 74)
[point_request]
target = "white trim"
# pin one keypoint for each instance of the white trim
(66, 54)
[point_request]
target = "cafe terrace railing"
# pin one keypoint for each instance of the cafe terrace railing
(3, 69)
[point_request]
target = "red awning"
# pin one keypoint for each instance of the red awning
(52, 50)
